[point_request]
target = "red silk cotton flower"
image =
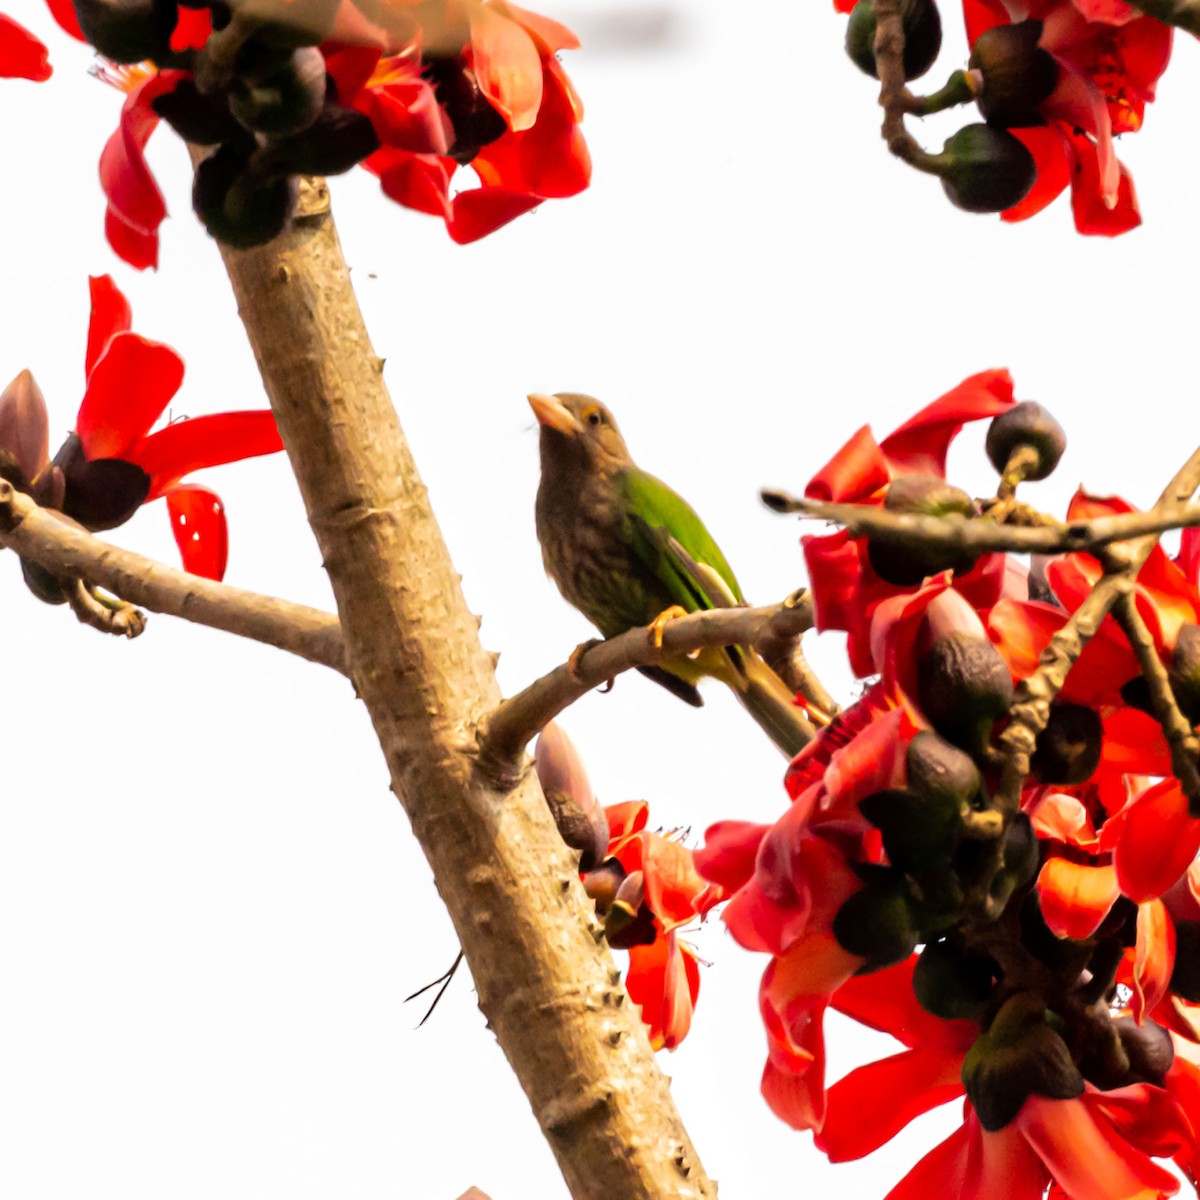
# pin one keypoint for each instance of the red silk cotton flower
(659, 892)
(22, 56)
(476, 86)
(1106, 59)
(112, 463)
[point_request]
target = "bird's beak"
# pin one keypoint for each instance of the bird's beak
(554, 414)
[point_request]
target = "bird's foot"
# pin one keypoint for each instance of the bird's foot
(658, 625)
(576, 658)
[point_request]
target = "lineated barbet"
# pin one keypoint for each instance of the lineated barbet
(624, 549)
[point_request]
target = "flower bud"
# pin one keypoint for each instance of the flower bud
(237, 206)
(286, 102)
(1149, 1049)
(877, 923)
(1185, 977)
(99, 493)
(951, 982)
(918, 834)
(24, 426)
(1019, 1056)
(476, 123)
(984, 169)
(1026, 424)
(41, 583)
(128, 31)
(922, 36)
(906, 565)
(580, 818)
(940, 772)
(1184, 673)
(963, 686)
(1068, 749)
(1018, 75)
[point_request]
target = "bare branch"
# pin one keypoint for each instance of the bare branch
(508, 728)
(73, 555)
(982, 536)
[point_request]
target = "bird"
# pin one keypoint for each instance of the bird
(627, 551)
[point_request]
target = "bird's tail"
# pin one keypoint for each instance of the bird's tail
(769, 701)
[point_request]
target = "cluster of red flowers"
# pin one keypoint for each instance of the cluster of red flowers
(415, 93)
(645, 886)
(1046, 966)
(112, 464)
(1062, 78)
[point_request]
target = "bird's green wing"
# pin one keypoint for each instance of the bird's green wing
(671, 540)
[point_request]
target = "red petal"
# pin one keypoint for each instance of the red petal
(480, 211)
(110, 315)
(727, 856)
(675, 890)
(1052, 158)
(406, 116)
(921, 443)
(1085, 1153)
(22, 56)
(63, 11)
(854, 474)
(1189, 555)
(198, 522)
(1156, 841)
(134, 200)
(626, 819)
(1153, 958)
(885, 1000)
(128, 388)
(1075, 897)
(187, 446)
(416, 181)
(507, 65)
(1092, 215)
(982, 15)
(941, 1173)
(664, 981)
(192, 29)
(873, 1103)
(552, 36)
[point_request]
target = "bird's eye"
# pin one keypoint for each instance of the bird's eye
(594, 417)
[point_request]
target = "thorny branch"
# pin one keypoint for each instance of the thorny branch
(511, 725)
(85, 562)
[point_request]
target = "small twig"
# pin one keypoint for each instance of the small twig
(893, 93)
(505, 732)
(981, 535)
(71, 554)
(1180, 735)
(445, 980)
(108, 616)
(780, 647)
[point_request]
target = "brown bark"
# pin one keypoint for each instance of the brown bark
(546, 981)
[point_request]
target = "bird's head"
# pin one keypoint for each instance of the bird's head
(578, 429)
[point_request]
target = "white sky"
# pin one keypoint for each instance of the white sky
(210, 905)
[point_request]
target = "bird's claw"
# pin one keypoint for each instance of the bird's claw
(576, 658)
(658, 625)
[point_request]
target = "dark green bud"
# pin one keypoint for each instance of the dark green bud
(237, 206)
(1185, 978)
(1068, 749)
(918, 834)
(286, 102)
(963, 686)
(922, 36)
(940, 772)
(1149, 1049)
(41, 583)
(1018, 75)
(475, 122)
(908, 565)
(984, 169)
(1021, 1055)
(1185, 672)
(1026, 424)
(877, 923)
(950, 982)
(128, 31)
